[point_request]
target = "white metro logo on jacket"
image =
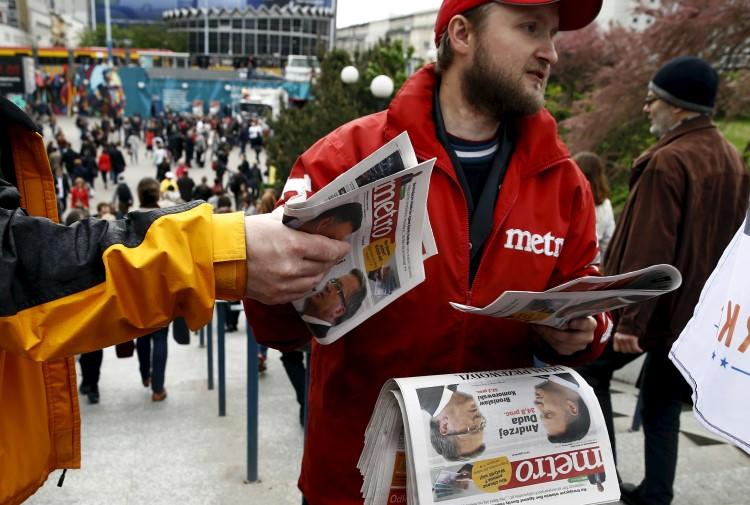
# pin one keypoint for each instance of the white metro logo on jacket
(522, 240)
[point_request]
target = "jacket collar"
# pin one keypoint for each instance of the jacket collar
(537, 148)
(10, 113)
(697, 123)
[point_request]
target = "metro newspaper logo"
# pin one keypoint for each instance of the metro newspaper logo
(382, 244)
(499, 474)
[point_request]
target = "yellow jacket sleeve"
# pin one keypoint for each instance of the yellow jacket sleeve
(98, 283)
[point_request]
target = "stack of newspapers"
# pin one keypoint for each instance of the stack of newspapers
(534, 435)
(380, 207)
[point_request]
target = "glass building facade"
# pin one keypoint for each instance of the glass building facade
(267, 34)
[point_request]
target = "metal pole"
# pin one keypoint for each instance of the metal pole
(210, 353)
(202, 339)
(108, 24)
(205, 31)
(332, 31)
(93, 15)
(252, 405)
(222, 308)
(71, 79)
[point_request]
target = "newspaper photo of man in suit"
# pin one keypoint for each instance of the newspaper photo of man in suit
(456, 424)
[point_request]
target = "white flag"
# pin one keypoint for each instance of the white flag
(713, 352)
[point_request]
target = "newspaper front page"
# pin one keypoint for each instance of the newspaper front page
(384, 222)
(393, 157)
(581, 297)
(502, 437)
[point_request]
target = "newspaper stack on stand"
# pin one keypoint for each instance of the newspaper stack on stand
(533, 435)
(384, 200)
(581, 297)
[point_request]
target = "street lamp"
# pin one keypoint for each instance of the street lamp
(349, 74)
(382, 86)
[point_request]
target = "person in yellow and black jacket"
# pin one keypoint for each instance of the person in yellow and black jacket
(68, 290)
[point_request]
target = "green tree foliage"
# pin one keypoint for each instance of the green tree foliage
(603, 76)
(334, 103)
(152, 36)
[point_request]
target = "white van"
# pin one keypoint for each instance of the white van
(262, 102)
(300, 68)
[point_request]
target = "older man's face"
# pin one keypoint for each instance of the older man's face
(330, 302)
(660, 114)
(512, 58)
(461, 419)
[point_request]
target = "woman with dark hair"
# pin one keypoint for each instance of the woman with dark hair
(593, 168)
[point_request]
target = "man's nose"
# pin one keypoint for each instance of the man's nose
(547, 51)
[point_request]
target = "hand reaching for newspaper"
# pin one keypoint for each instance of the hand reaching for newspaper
(284, 264)
(578, 335)
(625, 343)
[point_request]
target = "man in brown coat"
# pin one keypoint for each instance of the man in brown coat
(688, 196)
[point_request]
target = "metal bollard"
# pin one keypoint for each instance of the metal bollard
(210, 353)
(252, 405)
(221, 312)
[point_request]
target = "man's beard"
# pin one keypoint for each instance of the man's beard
(494, 92)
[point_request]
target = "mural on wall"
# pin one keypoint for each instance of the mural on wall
(138, 11)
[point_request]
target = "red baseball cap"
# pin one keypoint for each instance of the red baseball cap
(574, 14)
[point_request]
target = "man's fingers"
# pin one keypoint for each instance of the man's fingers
(566, 342)
(320, 248)
(289, 291)
(582, 324)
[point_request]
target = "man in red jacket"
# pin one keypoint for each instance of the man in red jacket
(509, 211)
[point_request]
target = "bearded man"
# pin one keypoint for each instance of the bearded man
(509, 211)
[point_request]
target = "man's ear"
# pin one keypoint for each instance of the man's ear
(572, 407)
(339, 311)
(459, 31)
(443, 425)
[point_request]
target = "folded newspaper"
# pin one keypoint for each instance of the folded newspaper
(533, 435)
(581, 297)
(380, 207)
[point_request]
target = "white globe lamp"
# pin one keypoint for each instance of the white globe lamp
(349, 74)
(382, 86)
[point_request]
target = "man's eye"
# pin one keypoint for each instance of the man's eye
(529, 27)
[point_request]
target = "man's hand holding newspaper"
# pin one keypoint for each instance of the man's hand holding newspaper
(379, 206)
(578, 334)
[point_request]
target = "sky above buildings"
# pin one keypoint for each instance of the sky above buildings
(352, 12)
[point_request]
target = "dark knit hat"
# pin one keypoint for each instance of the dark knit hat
(687, 82)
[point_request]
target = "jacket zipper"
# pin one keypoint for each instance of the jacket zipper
(496, 228)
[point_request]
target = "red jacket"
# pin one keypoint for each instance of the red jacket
(105, 163)
(420, 334)
(79, 197)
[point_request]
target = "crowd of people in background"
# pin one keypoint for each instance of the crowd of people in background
(174, 144)
(176, 147)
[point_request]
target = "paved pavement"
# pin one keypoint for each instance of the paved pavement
(180, 452)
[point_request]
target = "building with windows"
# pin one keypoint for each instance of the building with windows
(42, 22)
(268, 33)
(414, 30)
(417, 30)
